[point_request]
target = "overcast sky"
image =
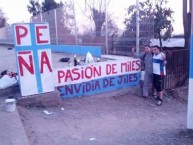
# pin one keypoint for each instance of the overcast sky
(16, 11)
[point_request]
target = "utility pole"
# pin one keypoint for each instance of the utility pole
(137, 26)
(56, 25)
(75, 29)
(106, 28)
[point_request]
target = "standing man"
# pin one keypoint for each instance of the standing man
(159, 71)
(147, 67)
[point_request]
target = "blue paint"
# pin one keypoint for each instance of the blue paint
(99, 85)
(161, 63)
(35, 47)
(75, 49)
(36, 58)
(191, 58)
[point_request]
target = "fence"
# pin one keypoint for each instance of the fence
(177, 68)
(6, 36)
(68, 28)
(74, 24)
(64, 30)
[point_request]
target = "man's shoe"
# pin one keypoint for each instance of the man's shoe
(144, 97)
(160, 101)
(155, 97)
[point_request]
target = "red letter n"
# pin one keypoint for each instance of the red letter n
(23, 63)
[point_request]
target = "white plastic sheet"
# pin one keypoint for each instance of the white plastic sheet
(7, 81)
(89, 58)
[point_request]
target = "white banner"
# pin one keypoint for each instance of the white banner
(79, 74)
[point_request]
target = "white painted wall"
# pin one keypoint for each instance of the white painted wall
(190, 106)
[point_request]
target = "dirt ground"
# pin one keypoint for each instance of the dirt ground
(112, 118)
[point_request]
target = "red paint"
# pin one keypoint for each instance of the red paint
(138, 64)
(68, 76)
(23, 63)
(114, 68)
(20, 35)
(97, 71)
(133, 65)
(130, 66)
(61, 74)
(39, 34)
(24, 52)
(44, 61)
(108, 69)
(88, 75)
(76, 74)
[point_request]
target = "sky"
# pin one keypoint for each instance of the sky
(16, 11)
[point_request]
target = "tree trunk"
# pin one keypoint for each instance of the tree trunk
(186, 24)
(98, 27)
(99, 19)
(160, 42)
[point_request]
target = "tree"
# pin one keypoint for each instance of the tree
(61, 24)
(112, 28)
(50, 5)
(162, 21)
(97, 10)
(34, 8)
(157, 17)
(146, 18)
(187, 22)
(2, 19)
(65, 18)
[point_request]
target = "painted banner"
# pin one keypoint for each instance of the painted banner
(32, 43)
(97, 77)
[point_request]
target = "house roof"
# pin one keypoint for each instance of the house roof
(172, 42)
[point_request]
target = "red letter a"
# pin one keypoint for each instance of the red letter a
(45, 60)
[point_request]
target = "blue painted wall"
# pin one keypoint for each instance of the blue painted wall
(76, 49)
(99, 85)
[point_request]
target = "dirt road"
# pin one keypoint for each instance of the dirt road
(120, 118)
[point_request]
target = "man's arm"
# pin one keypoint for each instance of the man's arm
(136, 55)
(164, 58)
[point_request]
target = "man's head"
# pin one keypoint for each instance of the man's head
(147, 49)
(4, 72)
(156, 49)
(9, 73)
